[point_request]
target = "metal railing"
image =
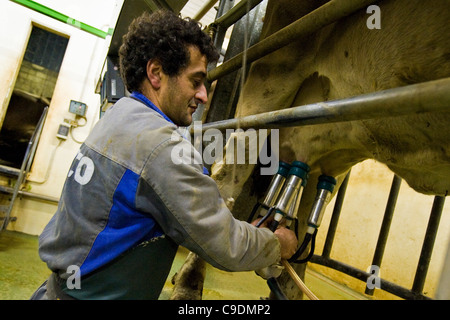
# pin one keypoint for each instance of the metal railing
(317, 19)
(25, 167)
(432, 96)
(416, 292)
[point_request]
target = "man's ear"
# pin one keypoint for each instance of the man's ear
(154, 72)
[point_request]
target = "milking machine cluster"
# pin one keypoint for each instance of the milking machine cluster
(284, 193)
(282, 200)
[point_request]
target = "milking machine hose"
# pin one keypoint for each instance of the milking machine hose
(276, 290)
(298, 281)
(273, 282)
(268, 214)
(308, 237)
(275, 286)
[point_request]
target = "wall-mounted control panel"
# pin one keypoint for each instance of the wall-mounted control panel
(63, 131)
(78, 108)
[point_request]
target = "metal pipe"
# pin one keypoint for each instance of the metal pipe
(335, 217)
(443, 290)
(428, 244)
(22, 174)
(204, 10)
(29, 194)
(363, 276)
(219, 32)
(315, 20)
(385, 226)
(432, 96)
(236, 13)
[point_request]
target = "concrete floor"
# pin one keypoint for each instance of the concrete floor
(21, 272)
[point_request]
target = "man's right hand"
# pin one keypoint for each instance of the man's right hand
(288, 242)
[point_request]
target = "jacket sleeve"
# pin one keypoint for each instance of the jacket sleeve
(188, 207)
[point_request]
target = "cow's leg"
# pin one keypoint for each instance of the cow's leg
(232, 173)
(189, 279)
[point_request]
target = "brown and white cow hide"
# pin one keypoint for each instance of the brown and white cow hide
(342, 60)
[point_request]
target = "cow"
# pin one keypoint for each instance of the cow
(411, 44)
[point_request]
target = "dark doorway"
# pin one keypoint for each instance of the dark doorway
(32, 92)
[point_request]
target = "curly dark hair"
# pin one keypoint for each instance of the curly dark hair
(165, 36)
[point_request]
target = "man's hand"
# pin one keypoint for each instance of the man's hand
(288, 242)
(287, 238)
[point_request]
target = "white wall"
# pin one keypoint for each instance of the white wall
(78, 75)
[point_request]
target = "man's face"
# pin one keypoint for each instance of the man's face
(182, 94)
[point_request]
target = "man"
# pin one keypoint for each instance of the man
(125, 206)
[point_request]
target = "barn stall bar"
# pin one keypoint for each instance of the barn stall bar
(319, 18)
(432, 96)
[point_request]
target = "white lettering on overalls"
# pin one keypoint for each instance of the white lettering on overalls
(84, 170)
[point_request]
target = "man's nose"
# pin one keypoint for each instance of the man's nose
(201, 96)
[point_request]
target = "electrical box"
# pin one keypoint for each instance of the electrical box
(112, 86)
(63, 131)
(79, 108)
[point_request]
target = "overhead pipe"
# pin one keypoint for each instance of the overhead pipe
(431, 96)
(229, 18)
(328, 13)
(236, 13)
(204, 10)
